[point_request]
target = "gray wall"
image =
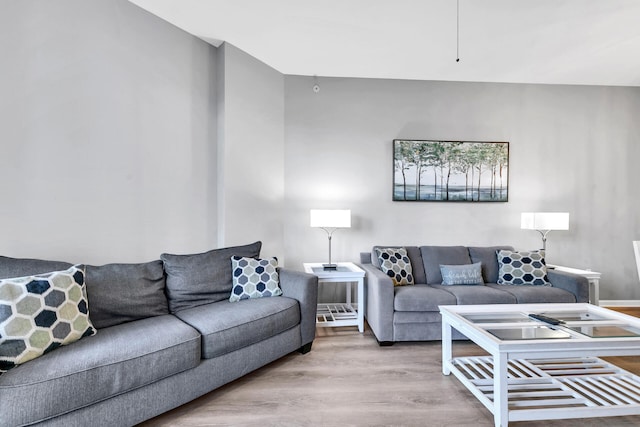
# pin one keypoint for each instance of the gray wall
(572, 148)
(251, 152)
(113, 123)
(107, 133)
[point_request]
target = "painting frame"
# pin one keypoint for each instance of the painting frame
(430, 170)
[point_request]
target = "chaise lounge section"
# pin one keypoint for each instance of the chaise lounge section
(410, 312)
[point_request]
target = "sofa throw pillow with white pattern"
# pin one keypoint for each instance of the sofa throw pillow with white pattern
(40, 313)
(395, 263)
(465, 274)
(254, 278)
(522, 268)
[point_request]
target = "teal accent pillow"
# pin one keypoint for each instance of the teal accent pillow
(465, 274)
(40, 313)
(254, 278)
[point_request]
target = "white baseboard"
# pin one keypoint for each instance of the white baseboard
(620, 303)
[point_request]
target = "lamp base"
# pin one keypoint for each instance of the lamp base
(330, 266)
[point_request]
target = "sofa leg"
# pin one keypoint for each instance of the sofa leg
(305, 348)
(385, 343)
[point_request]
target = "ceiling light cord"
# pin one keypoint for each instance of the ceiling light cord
(457, 30)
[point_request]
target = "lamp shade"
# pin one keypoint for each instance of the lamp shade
(330, 218)
(544, 221)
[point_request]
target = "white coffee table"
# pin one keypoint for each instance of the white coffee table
(539, 371)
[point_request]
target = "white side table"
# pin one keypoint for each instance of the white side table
(592, 276)
(340, 314)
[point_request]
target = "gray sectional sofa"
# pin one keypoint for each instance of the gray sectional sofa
(410, 313)
(166, 334)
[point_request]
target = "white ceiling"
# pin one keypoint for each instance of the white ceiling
(590, 42)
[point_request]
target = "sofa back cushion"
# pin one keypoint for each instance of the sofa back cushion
(434, 256)
(487, 256)
(199, 279)
(19, 267)
(120, 293)
(117, 293)
(413, 252)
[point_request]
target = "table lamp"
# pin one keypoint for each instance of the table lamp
(330, 220)
(544, 222)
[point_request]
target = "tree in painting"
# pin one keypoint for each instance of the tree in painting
(450, 171)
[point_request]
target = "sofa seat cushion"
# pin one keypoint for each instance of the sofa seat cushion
(112, 362)
(534, 294)
(467, 295)
(421, 298)
(228, 326)
(416, 317)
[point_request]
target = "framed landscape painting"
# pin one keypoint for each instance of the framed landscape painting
(450, 171)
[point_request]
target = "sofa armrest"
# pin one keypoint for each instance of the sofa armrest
(304, 288)
(574, 283)
(380, 295)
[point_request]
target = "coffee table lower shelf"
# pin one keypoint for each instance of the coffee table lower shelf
(554, 388)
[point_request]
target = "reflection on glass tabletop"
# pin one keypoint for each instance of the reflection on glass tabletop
(528, 333)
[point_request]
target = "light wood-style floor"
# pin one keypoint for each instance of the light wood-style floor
(631, 311)
(348, 380)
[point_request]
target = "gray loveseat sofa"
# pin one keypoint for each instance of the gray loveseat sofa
(166, 334)
(410, 313)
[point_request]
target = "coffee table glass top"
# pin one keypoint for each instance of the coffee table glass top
(573, 316)
(607, 331)
(517, 317)
(497, 318)
(529, 333)
(556, 324)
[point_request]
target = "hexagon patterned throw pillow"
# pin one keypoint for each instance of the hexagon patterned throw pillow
(395, 263)
(254, 278)
(522, 268)
(40, 313)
